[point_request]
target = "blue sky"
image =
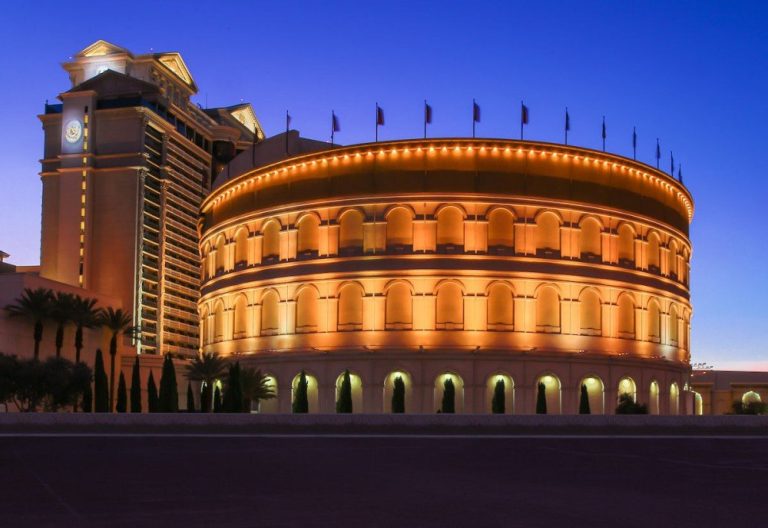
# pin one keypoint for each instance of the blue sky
(693, 74)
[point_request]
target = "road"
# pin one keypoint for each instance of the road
(290, 480)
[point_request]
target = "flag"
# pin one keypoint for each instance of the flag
(427, 113)
(567, 121)
(603, 127)
(335, 123)
(658, 151)
(680, 173)
(523, 114)
(475, 112)
(287, 120)
(379, 116)
(634, 137)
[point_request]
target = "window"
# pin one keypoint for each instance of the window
(399, 230)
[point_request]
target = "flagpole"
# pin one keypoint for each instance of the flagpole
(634, 143)
(567, 125)
(603, 133)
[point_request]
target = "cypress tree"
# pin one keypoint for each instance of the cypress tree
(122, 395)
(449, 397)
(498, 404)
(217, 400)
(584, 401)
(136, 387)
(153, 401)
(100, 385)
(169, 390)
(398, 396)
(87, 404)
(300, 400)
(344, 403)
(541, 399)
(233, 397)
(205, 398)
(190, 398)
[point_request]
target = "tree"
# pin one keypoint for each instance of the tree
(136, 386)
(233, 395)
(398, 396)
(117, 322)
(300, 399)
(584, 401)
(153, 401)
(62, 305)
(9, 367)
(100, 385)
(84, 315)
(190, 398)
(498, 403)
(627, 405)
(86, 405)
(541, 399)
(169, 391)
(217, 400)
(122, 395)
(207, 368)
(255, 386)
(449, 397)
(344, 403)
(34, 305)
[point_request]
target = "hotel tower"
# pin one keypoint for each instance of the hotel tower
(128, 161)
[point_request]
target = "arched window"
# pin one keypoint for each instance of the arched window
(312, 391)
(509, 393)
(552, 395)
(501, 231)
(626, 316)
(547, 310)
(626, 246)
(204, 326)
(750, 397)
(269, 406)
(672, 259)
(449, 307)
(389, 389)
(595, 394)
(674, 399)
(548, 234)
(205, 262)
(458, 392)
(399, 308)
(350, 307)
(628, 386)
(271, 241)
(654, 321)
(450, 230)
(308, 238)
(221, 254)
(590, 313)
(501, 307)
(674, 319)
(591, 242)
(307, 310)
(241, 317)
(653, 252)
(400, 230)
(241, 248)
(270, 313)
(218, 321)
(356, 384)
(653, 401)
(351, 233)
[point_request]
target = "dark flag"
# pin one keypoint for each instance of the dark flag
(287, 128)
(603, 134)
(567, 124)
(427, 117)
(680, 173)
(671, 164)
(658, 153)
(523, 117)
(475, 115)
(634, 143)
(379, 119)
(334, 125)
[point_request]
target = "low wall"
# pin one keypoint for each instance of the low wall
(18, 423)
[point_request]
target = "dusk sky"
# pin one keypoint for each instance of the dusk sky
(693, 74)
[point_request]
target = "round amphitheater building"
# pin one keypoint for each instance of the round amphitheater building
(477, 260)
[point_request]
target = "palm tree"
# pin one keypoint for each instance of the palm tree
(84, 315)
(255, 386)
(62, 305)
(206, 368)
(34, 305)
(118, 322)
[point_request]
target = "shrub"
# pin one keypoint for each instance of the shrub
(153, 400)
(498, 403)
(627, 405)
(122, 395)
(190, 398)
(541, 399)
(217, 400)
(100, 385)
(449, 397)
(233, 395)
(300, 400)
(169, 391)
(753, 407)
(398, 396)
(344, 403)
(136, 386)
(584, 401)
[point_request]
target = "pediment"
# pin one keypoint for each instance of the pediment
(176, 65)
(101, 48)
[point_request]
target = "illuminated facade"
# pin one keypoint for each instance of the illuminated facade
(477, 260)
(128, 160)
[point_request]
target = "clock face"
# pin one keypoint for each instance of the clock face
(74, 131)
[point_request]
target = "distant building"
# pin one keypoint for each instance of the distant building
(128, 160)
(716, 391)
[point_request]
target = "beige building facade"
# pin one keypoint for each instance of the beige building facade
(478, 260)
